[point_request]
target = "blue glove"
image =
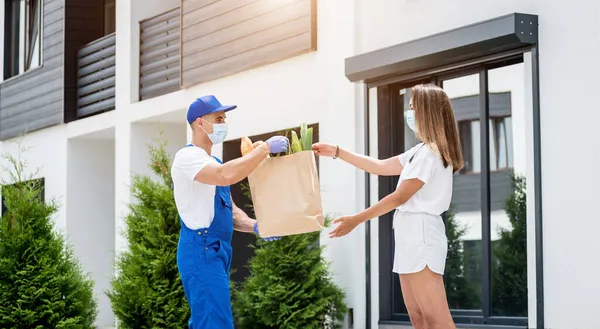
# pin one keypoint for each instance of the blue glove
(275, 238)
(278, 144)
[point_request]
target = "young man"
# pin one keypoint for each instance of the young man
(207, 212)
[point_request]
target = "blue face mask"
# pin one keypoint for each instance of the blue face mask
(410, 120)
(219, 132)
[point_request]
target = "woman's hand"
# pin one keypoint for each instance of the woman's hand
(324, 149)
(346, 225)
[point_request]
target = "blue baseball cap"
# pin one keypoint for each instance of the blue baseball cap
(205, 105)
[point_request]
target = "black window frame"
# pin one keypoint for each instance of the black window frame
(476, 48)
(12, 15)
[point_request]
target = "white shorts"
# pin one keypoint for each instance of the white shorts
(420, 240)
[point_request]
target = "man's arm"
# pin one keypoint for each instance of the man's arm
(241, 221)
(233, 171)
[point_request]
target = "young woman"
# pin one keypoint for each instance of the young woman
(422, 195)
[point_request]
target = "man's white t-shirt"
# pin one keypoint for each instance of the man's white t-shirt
(427, 166)
(194, 200)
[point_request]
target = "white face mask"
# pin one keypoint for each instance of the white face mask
(219, 132)
(410, 120)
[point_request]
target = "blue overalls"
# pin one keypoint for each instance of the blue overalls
(204, 262)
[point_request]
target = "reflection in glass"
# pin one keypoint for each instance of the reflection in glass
(507, 192)
(463, 221)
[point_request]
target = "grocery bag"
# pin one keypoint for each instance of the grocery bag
(286, 195)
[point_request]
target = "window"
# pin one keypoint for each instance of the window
(500, 144)
(23, 36)
(486, 265)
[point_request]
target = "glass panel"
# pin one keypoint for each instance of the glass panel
(507, 194)
(22, 36)
(463, 221)
(409, 140)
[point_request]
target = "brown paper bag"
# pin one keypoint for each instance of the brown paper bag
(286, 195)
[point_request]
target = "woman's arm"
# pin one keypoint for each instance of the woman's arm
(397, 198)
(403, 193)
(387, 167)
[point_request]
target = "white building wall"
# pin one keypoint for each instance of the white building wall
(45, 156)
(90, 213)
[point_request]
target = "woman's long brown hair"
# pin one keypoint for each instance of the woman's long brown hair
(436, 124)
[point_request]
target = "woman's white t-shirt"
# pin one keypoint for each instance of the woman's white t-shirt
(195, 201)
(427, 166)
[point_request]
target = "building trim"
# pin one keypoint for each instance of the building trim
(501, 34)
(496, 40)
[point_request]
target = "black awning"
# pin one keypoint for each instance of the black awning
(505, 33)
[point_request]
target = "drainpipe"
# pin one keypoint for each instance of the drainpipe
(367, 205)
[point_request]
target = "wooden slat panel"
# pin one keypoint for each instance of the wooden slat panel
(95, 108)
(96, 82)
(228, 36)
(97, 96)
(261, 56)
(55, 16)
(34, 100)
(190, 5)
(159, 29)
(159, 54)
(39, 90)
(98, 65)
(52, 28)
(152, 65)
(171, 14)
(99, 85)
(159, 51)
(29, 104)
(157, 88)
(53, 39)
(98, 75)
(99, 45)
(246, 28)
(245, 44)
(51, 6)
(52, 51)
(164, 38)
(50, 71)
(49, 115)
(146, 79)
(229, 11)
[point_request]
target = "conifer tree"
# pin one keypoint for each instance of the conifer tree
(42, 285)
(289, 287)
(461, 293)
(509, 278)
(147, 291)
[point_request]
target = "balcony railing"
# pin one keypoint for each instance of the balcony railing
(159, 54)
(96, 77)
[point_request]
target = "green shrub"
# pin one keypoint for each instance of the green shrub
(147, 292)
(42, 285)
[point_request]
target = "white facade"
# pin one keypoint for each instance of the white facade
(78, 158)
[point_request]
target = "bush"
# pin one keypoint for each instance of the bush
(42, 285)
(289, 287)
(147, 292)
(462, 293)
(509, 279)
